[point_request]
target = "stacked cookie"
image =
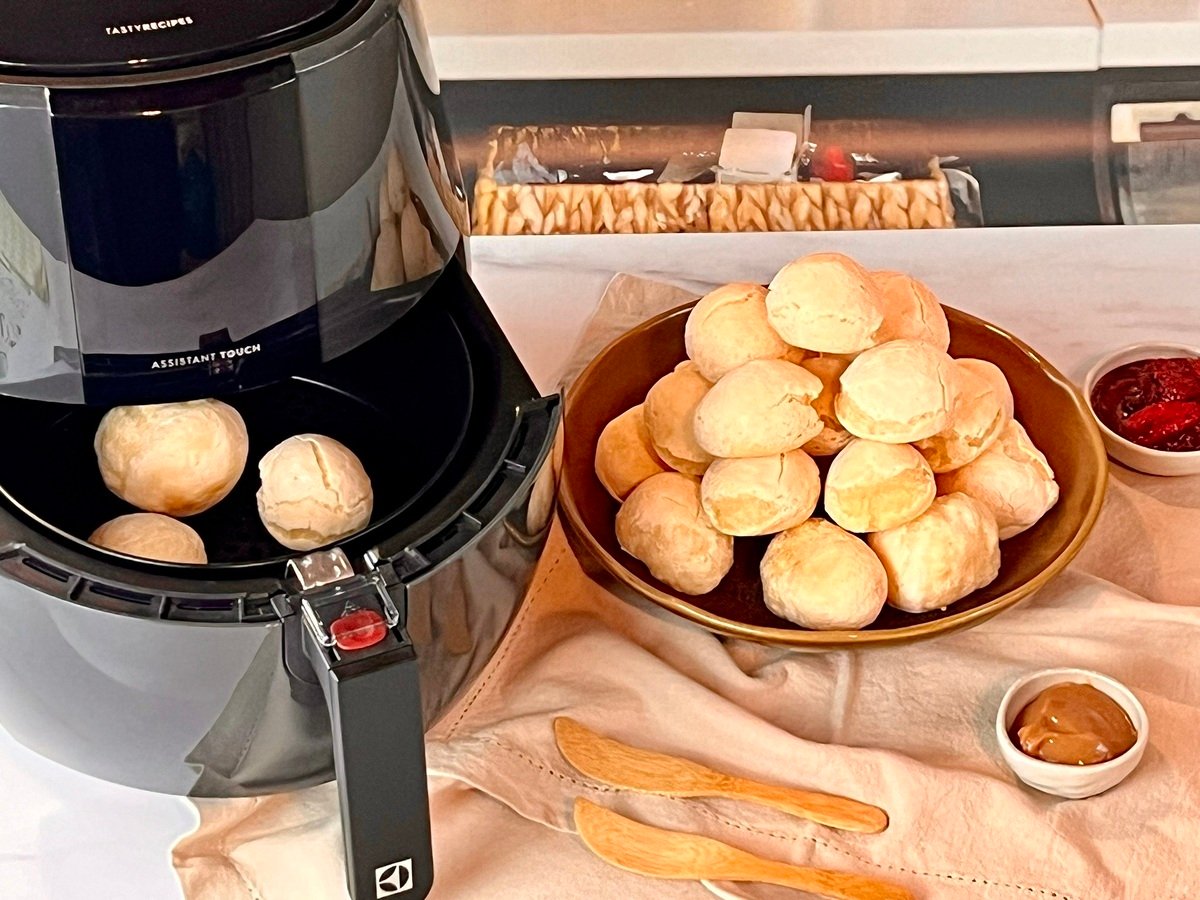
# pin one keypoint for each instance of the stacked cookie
(926, 470)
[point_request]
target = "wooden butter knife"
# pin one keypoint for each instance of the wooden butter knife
(658, 773)
(660, 853)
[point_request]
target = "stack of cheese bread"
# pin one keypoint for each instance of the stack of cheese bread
(929, 470)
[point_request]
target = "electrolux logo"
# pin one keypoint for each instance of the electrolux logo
(394, 878)
(160, 25)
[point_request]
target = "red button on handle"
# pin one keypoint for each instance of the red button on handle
(358, 630)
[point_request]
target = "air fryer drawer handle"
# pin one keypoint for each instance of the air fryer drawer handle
(374, 700)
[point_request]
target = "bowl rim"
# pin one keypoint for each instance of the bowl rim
(1063, 674)
(1103, 366)
(808, 639)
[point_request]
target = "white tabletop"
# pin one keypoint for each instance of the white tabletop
(1070, 292)
(66, 836)
(539, 39)
(1149, 32)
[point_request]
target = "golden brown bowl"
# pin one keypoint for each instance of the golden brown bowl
(1047, 405)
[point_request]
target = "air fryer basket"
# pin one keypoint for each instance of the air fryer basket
(401, 403)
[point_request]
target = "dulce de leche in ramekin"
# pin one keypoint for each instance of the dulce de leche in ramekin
(1075, 724)
(1070, 749)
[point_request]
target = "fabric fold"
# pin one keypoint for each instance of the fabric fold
(909, 728)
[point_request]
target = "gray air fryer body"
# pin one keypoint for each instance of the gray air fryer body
(254, 202)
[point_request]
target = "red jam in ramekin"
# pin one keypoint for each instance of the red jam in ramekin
(1154, 403)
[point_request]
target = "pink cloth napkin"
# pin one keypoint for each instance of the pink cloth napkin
(909, 728)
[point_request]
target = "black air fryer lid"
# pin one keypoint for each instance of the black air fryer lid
(73, 38)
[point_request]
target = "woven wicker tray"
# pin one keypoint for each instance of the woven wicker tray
(657, 208)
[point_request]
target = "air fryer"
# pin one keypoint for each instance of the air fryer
(255, 204)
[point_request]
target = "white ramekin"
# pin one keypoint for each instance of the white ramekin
(1144, 459)
(1072, 782)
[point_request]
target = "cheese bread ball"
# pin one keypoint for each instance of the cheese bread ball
(993, 374)
(873, 486)
(625, 455)
(949, 551)
(728, 328)
(818, 576)
(1012, 478)
(979, 416)
(151, 536)
(669, 410)
(833, 436)
(760, 494)
(759, 409)
(825, 302)
(663, 525)
(910, 310)
(314, 491)
(898, 392)
(173, 458)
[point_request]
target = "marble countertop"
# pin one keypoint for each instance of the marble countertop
(532, 39)
(1149, 32)
(549, 39)
(1076, 290)
(1070, 292)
